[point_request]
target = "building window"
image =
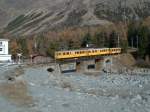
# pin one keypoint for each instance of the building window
(1, 43)
(1, 49)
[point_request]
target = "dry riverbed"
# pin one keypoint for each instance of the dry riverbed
(34, 89)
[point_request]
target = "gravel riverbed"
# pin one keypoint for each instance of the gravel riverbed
(37, 90)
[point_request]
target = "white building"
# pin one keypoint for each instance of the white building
(4, 55)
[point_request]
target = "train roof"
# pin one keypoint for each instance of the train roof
(86, 49)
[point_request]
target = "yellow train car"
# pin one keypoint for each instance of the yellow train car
(86, 53)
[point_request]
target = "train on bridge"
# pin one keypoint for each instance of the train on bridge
(69, 54)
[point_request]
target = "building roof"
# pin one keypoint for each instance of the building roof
(4, 39)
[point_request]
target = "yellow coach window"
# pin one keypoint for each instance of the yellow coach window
(77, 52)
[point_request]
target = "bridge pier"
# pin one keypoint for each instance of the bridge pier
(80, 66)
(87, 65)
(98, 64)
(67, 67)
(107, 64)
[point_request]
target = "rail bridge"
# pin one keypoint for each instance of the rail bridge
(85, 64)
(85, 60)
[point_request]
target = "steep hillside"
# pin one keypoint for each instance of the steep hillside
(3, 17)
(29, 16)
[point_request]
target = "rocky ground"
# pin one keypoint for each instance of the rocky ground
(34, 89)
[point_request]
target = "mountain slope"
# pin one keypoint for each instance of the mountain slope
(29, 16)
